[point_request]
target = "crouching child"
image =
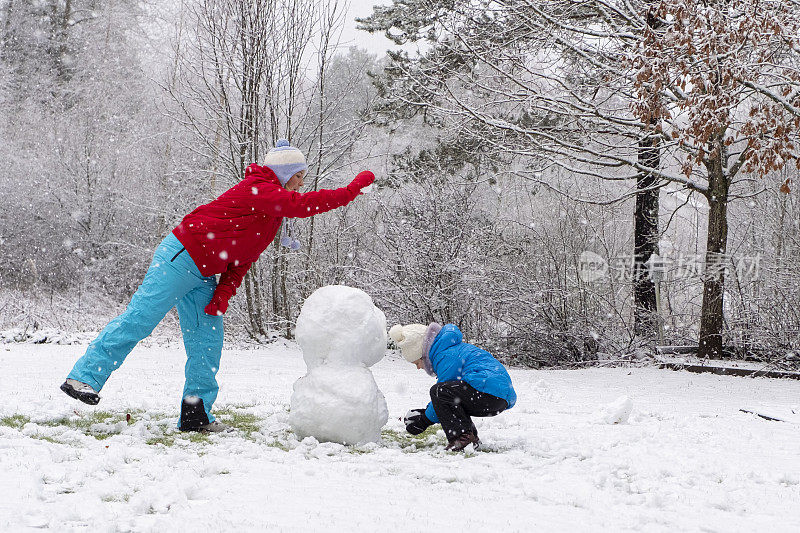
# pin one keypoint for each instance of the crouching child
(470, 381)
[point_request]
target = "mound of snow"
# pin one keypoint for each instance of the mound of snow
(617, 412)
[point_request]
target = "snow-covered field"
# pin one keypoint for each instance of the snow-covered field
(686, 458)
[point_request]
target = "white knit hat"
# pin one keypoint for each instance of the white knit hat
(410, 339)
(285, 161)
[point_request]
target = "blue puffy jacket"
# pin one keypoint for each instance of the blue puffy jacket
(453, 359)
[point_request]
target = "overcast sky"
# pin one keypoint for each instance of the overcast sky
(375, 43)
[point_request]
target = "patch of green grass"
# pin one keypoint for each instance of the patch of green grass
(196, 436)
(177, 437)
(278, 444)
(111, 499)
(245, 423)
(48, 439)
(281, 441)
(426, 440)
(166, 440)
(234, 415)
(102, 416)
(355, 450)
(242, 405)
(84, 422)
(19, 421)
(14, 421)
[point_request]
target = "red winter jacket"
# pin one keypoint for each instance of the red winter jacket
(226, 235)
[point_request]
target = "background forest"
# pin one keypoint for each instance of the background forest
(565, 180)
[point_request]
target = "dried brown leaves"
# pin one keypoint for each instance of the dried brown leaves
(720, 73)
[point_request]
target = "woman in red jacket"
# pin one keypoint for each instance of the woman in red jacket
(222, 237)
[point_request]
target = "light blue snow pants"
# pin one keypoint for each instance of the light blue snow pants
(171, 280)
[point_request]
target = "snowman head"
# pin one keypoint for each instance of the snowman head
(340, 325)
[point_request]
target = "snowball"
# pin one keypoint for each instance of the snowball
(36, 520)
(340, 324)
(617, 412)
(336, 403)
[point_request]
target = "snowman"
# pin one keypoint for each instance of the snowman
(342, 334)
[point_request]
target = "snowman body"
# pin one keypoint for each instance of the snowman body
(341, 334)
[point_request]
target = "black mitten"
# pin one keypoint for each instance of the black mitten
(416, 422)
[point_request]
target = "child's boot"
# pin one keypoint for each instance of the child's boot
(462, 441)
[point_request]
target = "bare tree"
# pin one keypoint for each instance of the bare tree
(251, 75)
(81, 130)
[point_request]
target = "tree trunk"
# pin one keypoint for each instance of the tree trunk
(255, 311)
(280, 294)
(645, 242)
(711, 317)
(61, 34)
(7, 26)
(287, 311)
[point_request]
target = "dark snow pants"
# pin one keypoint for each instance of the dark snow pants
(455, 402)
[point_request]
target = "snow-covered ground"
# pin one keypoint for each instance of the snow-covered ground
(685, 459)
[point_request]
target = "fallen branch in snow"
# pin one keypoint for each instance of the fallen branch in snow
(730, 371)
(602, 363)
(765, 417)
